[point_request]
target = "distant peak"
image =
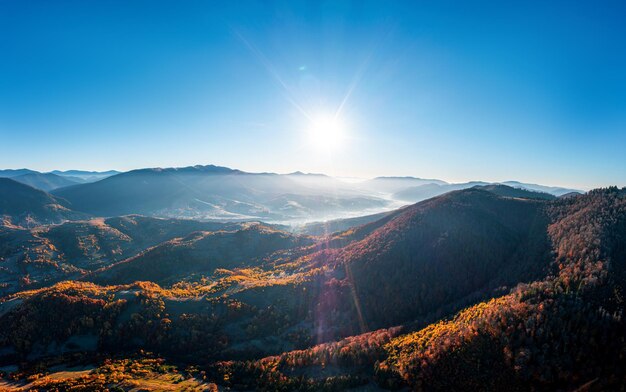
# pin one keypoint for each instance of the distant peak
(396, 178)
(84, 172)
(15, 172)
(408, 178)
(299, 173)
(191, 169)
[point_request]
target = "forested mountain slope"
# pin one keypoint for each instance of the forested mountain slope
(201, 251)
(31, 258)
(565, 331)
(542, 282)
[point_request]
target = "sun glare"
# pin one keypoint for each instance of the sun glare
(326, 132)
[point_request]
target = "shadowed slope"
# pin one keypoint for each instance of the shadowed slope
(25, 205)
(562, 332)
(200, 252)
(44, 181)
(441, 252)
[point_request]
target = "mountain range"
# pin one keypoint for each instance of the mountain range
(481, 287)
(54, 179)
(220, 193)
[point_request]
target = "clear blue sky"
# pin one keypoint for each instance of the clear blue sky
(532, 91)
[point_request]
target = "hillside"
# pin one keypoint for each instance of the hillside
(200, 252)
(382, 264)
(45, 181)
(553, 190)
(472, 240)
(84, 175)
(541, 281)
(509, 188)
(540, 333)
(10, 173)
(213, 192)
(396, 184)
(338, 225)
(562, 332)
(24, 205)
(426, 191)
(46, 254)
(507, 191)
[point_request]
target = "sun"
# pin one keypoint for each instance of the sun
(326, 132)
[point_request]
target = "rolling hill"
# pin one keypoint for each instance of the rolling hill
(56, 178)
(481, 288)
(45, 181)
(553, 190)
(396, 184)
(83, 175)
(475, 239)
(338, 225)
(200, 252)
(24, 205)
(426, 191)
(43, 255)
(564, 331)
(10, 173)
(507, 191)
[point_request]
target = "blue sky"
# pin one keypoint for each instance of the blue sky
(531, 91)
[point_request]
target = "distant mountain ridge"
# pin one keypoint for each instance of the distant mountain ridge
(553, 190)
(77, 173)
(214, 192)
(21, 204)
(394, 182)
(426, 191)
(54, 179)
(85, 176)
(217, 192)
(9, 173)
(46, 181)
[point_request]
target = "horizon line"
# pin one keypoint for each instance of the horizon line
(427, 178)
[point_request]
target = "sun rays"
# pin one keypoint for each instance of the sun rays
(324, 131)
